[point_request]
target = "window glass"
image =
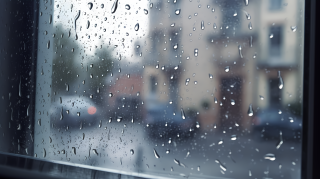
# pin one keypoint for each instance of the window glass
(196, 89)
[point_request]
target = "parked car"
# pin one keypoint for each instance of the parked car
(162, 120)
(270, 122)
(74, 112)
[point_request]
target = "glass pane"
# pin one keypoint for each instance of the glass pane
(197, 89)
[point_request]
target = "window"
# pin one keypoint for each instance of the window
(275, 46)
(275, 4)
(111, 88)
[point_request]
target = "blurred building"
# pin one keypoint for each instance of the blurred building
(214, 58)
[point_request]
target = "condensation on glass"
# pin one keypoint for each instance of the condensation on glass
(175, 88)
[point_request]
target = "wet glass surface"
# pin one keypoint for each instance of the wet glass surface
(197, 89)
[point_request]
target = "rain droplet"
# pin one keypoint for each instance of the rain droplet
(119, 119)
(234, 137)
(44, 153)
(220, 142)
(110, 94)
(136, 27)
(102, 6)
(233, 102)
(90, 5)
(177, 12)
(294, 28)
(247, 15)
(250, 111)
(48, 44)
(175, 46)
(145, 11)
(132, 151)
(39, 122)
(210, 76)
(246, 2)
(212, 10)
(280, 80)
(167, 151)
(250, 41)
(78, 114)
(250, 26)
(214, 25)
(182, 114)
(197, 125)
(50, 19)
(271, 157)
(95, 151)
(196, 52)
(240, 52)
(74, 150)
(280, 141)
(261, 97)
(81, 125)
(271, 36)
(235, 13)
(75, 21)
(127, 6)
(88, 24)
(155, 153)
(114, 7)
(227, 69)
(215, 100)
(202, 25)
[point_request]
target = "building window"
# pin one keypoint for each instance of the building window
(275, 44)
(275, 4)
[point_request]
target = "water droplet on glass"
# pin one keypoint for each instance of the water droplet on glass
(234, 137)
(78, 114)
(240, 51)
(177, 12)
(212, 10)
(110, 94)
(175, 46)
(182, 114)
(280, 80)
(39, 122)
(145, 11)
(250, 111)
(271, 36)
(214, 25)
(90, 5)
(74, 150)
(151, 5)
(44, 153)
(197, 125)
(95, 151)
(196, 52)
(102, 6)
(155, 153)
(132, 151)
(136, 27)
(48, 44)
(75, 21)
(261, 97)
(280, 141)
(127, 6)
(270, 156)
(227, 69)
(114, 7)
(294, 28)
(235, 13)
(246, 2)
(202, 25)
(50, 19)
(233, 102)
(88, 24)
(210, 76)
(167, 151)
(248, 16)
(250, 26)
(220, 142)
(119, 119)
(176, 67)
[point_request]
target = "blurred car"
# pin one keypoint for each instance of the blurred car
(270, 122)
(74, 111)
(162, 120)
